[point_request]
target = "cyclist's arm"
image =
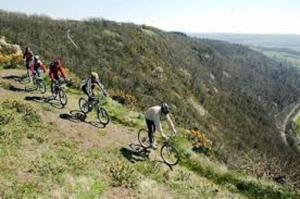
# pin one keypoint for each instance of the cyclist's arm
(171, 123)
(62, 72)
(102, 88)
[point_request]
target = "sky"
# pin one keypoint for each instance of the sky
(190, 16)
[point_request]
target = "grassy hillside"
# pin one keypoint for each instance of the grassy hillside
(44, 155)
(239, 89)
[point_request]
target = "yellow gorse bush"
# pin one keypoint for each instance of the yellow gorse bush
(13, 59)
(199, 140)
(123, 98)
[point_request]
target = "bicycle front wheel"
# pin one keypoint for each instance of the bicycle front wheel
(143, 138)
(83, 105)
(103, 116)
(169, 154)
(63, 98)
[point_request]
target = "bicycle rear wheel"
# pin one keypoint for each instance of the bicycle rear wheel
(169, 154)
(41, 86)
(144, 138)
(83, 105)
(103, 116)
(63, 98)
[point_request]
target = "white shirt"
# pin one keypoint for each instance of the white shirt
(154, 114)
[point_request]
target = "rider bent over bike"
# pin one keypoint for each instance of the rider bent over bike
(55, 72)
(90, 84)
(37, 66)
(153, 121)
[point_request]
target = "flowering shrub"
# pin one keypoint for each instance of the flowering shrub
(12, 59)
(200, 141)
(123, 98)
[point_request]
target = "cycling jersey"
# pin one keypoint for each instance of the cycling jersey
(54, 70)
(36, 66)
(154, 114)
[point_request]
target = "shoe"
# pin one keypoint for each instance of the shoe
(154, 145)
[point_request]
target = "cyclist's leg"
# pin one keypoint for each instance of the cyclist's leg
(151, 130)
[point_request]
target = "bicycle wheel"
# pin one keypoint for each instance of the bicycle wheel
(63, 98)
(169, 154)
(103, 116)
(83, 105)
(41, 86)
(144, 138)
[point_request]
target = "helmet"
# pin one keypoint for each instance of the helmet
(95, 75)
(165, 108)
(36, 57)
(56, 62)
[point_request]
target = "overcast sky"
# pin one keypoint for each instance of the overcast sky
(234, 16)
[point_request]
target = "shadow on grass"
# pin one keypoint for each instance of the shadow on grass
(135, 153)
(50, 100)
(78, 116)
(16, 78)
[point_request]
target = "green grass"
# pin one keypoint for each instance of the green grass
(123, 115)
(36, 160)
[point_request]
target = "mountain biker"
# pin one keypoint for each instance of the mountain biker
(56, 71)
(37, 66)
(153, 121)
(90, 84)
(28, 57)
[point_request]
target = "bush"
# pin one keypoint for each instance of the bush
(29, 114)
(11, 61)
(5, 116)
(123, 98)
(123, 175)
(200, 142)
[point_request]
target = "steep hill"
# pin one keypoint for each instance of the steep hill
(45, 154)
(240, 90)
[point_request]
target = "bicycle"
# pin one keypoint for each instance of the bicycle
(168, 152)
(38, 85)
(57, 90)
(87, 106)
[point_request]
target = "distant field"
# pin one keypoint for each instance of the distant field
(283, 55)
(262, 40)
(284, 48)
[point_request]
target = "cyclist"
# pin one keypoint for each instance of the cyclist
(56, 71)
(37, 66)
(28, 57)
(153, 120)
(90, 84)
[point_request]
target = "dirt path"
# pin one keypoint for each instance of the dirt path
(112, 136)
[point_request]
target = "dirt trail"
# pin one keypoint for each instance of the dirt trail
(113, 136)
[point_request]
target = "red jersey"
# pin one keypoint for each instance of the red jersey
(54, 70)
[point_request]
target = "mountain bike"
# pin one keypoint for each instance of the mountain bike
(168, 152)
(38, 85)
(87, 106)
(58, 87)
